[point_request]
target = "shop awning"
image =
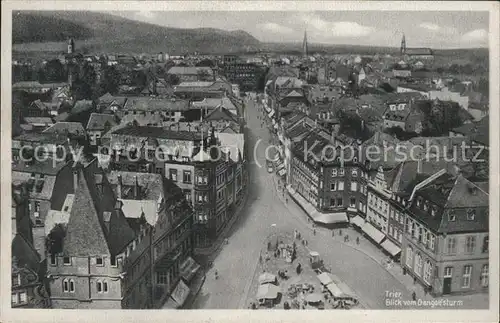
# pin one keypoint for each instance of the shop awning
(390, 247)
(329, 218)
(373, 232)
(189, 268)
(180, 293)
(325, 279)
(358, 221)
(334, 289)
(282, 172)
(271, 114)
(268, 291)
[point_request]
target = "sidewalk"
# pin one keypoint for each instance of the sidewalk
(476, 301)
(211, 252)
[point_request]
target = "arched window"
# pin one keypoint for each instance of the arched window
(99, 286)
(409, 257)
(71, 286)
(427, 272)
(65, 285)
(418, 264)
(105, 286)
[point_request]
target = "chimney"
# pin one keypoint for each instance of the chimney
(136, 188)
(119, 187)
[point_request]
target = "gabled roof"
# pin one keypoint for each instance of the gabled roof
(86, 234)
(220, 113)
(82, 105)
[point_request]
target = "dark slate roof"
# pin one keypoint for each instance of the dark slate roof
(47, 167)
(86, 234)
(477, 131)
(46, 138)
(156, 104)
(24, 253)
(156, 132)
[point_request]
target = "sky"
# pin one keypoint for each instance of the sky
(451, 29)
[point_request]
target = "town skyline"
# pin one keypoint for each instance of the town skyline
(439, 30)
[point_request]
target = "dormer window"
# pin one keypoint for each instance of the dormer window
(433, 211)
(426, 206)
(418, 202)
(471, 214)
(451, 216)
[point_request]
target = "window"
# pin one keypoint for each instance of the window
(37, 208)
(427, 271)
(409, 257)
(99, 286)
(14, 299)
(407, 225)
(420, 233)
(67, 260)
(334, 172)
(340, 202)
(352, 202)
(16, 280)
(451, 216)
(341, 172)
(471, 214)
(354, 172)
(466, 276)
(53, 260)
(470, 243)
(105, 286)
(173, 174)
(99, 261)
(71, 286)
(333, 186)
(451, 246)
(113, 261)
(486, 243)
(425, 237)
(418, 264)
(341, 186)
(354, 186)
(432, 240)
(332, 202)
(484, 275)
(162, 278)
(65, 286)
(448, 272)
(413, 231)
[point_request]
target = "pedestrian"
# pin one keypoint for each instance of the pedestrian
(357, 240)
(340, 232)
(347, 238)
(314, 231)
(333, 233)
(414, 296)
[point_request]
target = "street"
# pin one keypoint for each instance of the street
(267, 212)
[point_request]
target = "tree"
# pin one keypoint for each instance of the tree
(84, 86)
(172, 79)
(203, 75)
(54, 71)
(111, 80)
(206, 63)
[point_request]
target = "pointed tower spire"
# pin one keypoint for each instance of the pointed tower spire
(403, 45)
(304, 45)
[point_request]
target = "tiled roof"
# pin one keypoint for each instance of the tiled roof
(97, 121)
(195, 84)
(189, 70)
(149, 120)
(39, 120)
(156, 132)
(220, 113)
(75, 128)
(478, 131)
(233, 143)
(47, 167)
(151, 185)
(155, 104)
(24, 253)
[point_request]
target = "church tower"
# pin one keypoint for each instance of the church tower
(71, 46)
(304, 45)
(403, 45)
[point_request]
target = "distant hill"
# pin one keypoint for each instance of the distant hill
(107, 33)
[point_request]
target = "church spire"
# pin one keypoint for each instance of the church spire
(304, 45)
(403, 45)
